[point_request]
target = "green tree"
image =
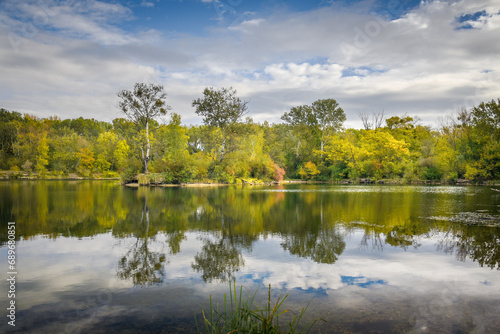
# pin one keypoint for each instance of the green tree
(220, 108)
(300, 118)
(176, 158)
(64, 149)
(88, 128)
(142, 106)
(325, 116)
(329, 117)
(312, 125)
(485, 119)
(112, 152)
(249, 159)
(9, 122)
(32, 142)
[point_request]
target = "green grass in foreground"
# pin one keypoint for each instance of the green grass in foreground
(242, 315)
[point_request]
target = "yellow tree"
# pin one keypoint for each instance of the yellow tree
(111, 151)
(342, 150)
(368, 153)
(86, 158)
(309, 170)
(383, 155)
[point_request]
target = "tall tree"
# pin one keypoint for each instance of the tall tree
(301, 119)
(32, 146)
(329, 117)
(485, 141)
(141, 106)
(323, 118)
(220, 108)
(8, 136)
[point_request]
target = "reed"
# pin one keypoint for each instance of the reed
(239, 314)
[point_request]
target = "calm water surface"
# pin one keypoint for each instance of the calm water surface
(95, 257)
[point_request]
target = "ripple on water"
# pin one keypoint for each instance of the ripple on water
(471, 218)
(380, 189)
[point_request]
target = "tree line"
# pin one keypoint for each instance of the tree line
(311, 143)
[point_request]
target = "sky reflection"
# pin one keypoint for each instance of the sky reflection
(371, 260)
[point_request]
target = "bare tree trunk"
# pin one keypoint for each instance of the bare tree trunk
(298, 147)
(378, 119)
(222, 150)
(223, 145)
(365, 119)
(148, 148)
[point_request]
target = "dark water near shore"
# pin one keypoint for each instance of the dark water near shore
(95, 257)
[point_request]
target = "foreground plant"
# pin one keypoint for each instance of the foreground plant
(242, 315)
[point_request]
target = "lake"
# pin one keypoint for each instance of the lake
(97, 257)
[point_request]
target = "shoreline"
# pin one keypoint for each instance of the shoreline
(11, 175)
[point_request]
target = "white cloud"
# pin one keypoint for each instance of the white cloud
(145, 3)
(419, 63)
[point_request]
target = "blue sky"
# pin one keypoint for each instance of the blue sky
(195, 16)
(426, 59)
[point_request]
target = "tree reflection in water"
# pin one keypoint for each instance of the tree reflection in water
(323, 247)
(143, 266)
(311, 221)
(219, 259)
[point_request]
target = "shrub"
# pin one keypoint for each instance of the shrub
(15, 175)
(128, 175)
(432, 173)
(27, 166)
(279, 173)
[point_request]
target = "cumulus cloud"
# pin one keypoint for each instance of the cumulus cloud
(423, 62)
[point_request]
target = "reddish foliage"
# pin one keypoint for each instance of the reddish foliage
(279, 173)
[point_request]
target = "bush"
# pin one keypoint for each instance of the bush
(83, 172)
(27, 166)
(143, 179)
(432, 173)
(279, 173)
(15, 175)
(128, 175)
(338, 172)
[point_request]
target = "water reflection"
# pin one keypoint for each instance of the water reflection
(324, 246)
(480, 244)
(312, 222)
(381, 259)
(142, 265)
(220, 255)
